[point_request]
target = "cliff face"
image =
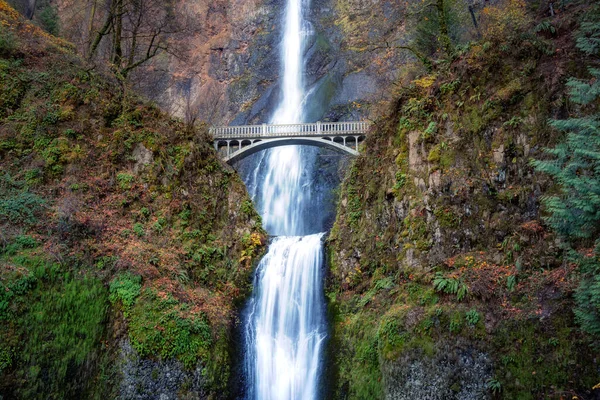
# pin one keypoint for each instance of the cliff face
(125, 243)
(445, 283)
(222, 64)
(218, 59)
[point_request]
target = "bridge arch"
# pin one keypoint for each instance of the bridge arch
(276, 142)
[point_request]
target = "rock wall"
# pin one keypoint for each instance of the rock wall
(444, 282)
(224, 67)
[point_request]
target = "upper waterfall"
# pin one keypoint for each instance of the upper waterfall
(295, 31)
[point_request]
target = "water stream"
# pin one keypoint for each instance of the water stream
(285, 324)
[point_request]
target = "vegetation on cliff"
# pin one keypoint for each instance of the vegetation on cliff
(446, 279)
(117, 224)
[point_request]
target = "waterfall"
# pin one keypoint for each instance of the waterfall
(285, 320)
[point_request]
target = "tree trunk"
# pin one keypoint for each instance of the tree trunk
(117, 49)
(474, 19)
(30, 12)
(91, 24)
(108, 22)
(443, 21)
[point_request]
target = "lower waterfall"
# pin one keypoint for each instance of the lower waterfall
(286, 334)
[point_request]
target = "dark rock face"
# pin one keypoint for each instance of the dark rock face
(458, 371)
(341, 79)
(164, 380)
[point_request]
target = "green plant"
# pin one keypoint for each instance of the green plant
(494, 385)
(8, 41)
(17, 203)
(185, 338)
(125, 288)
(48, 17)
(160, 224)
(400, 180)
(455, 326)
(449, 87)
(472, 317)
(546, 26)
(19, 243)
(125, 180)
(511, 282)
(588, 36)
(58, 320)
(247, 207)
(513, 122)
(138, 229)
(145, 212)
(450, 285)
(6, 358)
(429, 132)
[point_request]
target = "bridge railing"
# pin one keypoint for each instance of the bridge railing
(286, 130)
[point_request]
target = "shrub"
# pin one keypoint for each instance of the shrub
(8, 42)
(19, 243)
(49, 19)
(503, 19)
(17, 203)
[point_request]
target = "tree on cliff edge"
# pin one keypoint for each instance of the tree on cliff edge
(132, 32)
(575, 166)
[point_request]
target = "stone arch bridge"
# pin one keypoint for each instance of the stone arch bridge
(236, 142)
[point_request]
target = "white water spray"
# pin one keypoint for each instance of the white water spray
(285, 324)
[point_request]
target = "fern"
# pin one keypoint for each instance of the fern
(546, 26)
(447, 285)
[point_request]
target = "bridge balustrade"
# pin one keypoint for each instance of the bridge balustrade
(239, 141)
(284, 130)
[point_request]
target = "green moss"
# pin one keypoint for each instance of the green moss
(441, 156)
(158, 327)
(53, 323)
(446, 217)
(535, 360)
(360, 367)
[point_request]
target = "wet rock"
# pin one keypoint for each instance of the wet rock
(456, 371)
(355, 87)
(150, 379)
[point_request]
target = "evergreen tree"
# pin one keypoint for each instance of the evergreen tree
(575, 166)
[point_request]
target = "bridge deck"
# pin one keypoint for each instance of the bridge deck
(289, 130)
